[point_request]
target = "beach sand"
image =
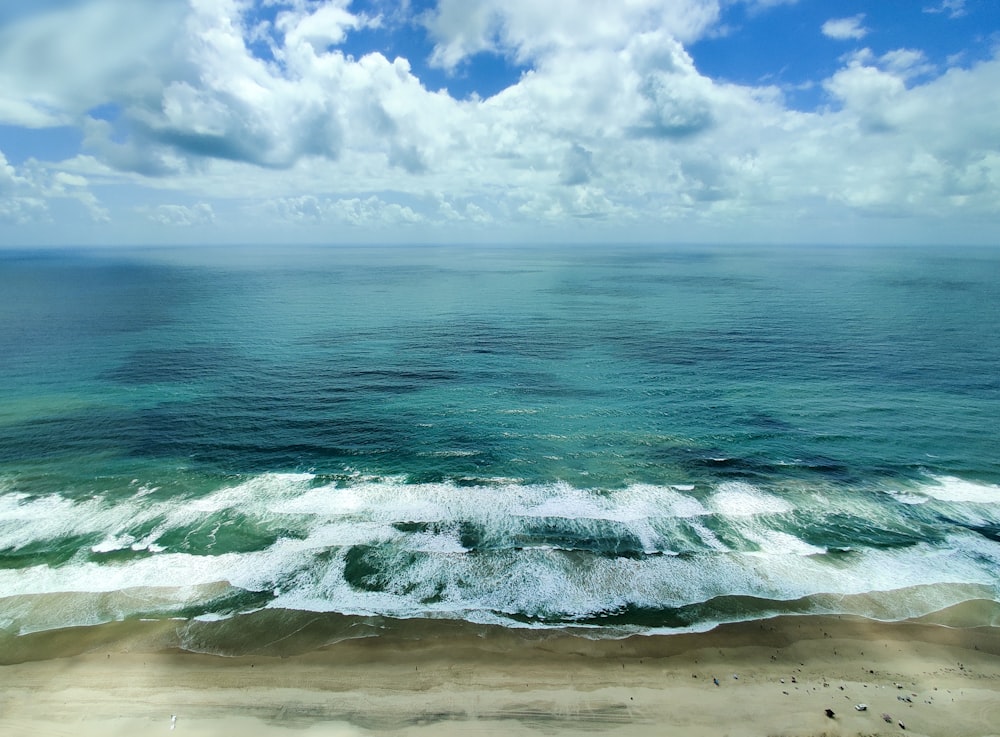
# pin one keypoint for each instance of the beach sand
(775, 677)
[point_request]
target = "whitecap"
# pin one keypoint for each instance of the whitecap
(740, 499)
(953, 489)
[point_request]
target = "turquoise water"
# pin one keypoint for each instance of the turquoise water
(619, 439)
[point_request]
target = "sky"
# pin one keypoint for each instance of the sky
(153, 122)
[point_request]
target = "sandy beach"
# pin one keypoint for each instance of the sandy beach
(774, 677)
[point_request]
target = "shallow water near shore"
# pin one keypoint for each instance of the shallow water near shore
(607, 440)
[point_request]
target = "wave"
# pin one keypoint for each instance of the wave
(648, 557)
(951, 489)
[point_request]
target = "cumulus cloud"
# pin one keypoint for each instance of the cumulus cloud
(939, 156)
(906, 62)
(321, 27)
(453, 211)
(26, 191)
(475, 214)
(676, 109)
(240, 107)
(182, 99)
(845, 29)
(56, 65)
(354, 211)
(610, 122)
(73, 186)
(23, 210)
(875, 88)
(17, 206)
(555, 205)
(373, 211)
(578, 165)
(309, 102)
(528, 30)
(9, 179)
(180, 215)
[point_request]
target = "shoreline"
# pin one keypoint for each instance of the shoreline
(448, 678)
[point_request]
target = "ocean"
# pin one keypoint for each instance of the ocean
(608, 440)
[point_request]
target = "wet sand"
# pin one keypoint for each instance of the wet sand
(775, 677)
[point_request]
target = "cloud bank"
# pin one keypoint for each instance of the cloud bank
(246, 119)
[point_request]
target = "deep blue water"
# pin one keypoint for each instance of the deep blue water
(620, 437)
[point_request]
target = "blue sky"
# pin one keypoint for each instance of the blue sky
(330, 121)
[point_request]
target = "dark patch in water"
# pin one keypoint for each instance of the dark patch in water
(845, 531)
(606, 539)
(365, 567)
(53, 553)
(183, 364)
(989, 530)
(718, 609)
(235, 602)
(226, 531)
(122, 555)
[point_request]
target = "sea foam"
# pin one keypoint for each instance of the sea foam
(547, 554)
(951, 489)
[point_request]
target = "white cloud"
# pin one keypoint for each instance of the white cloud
(474, 213)
(954, 8)
(17, 206)
(918, 150)
(354, 211)
(373, 211)
(310, 102)
(906, 62)
(305, 208)
(557, 205)
(25, 193)
(56, 65)
(180, 215)
(321, 27)
(844, 29)
(9, 179)
(612, 123)
(74, 186)
(578, 165)
(872, 93)
(529, 30)
(23, 210)
(241, 108)
(180, 99)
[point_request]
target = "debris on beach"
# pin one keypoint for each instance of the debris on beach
(829, 713)
(886, 718)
